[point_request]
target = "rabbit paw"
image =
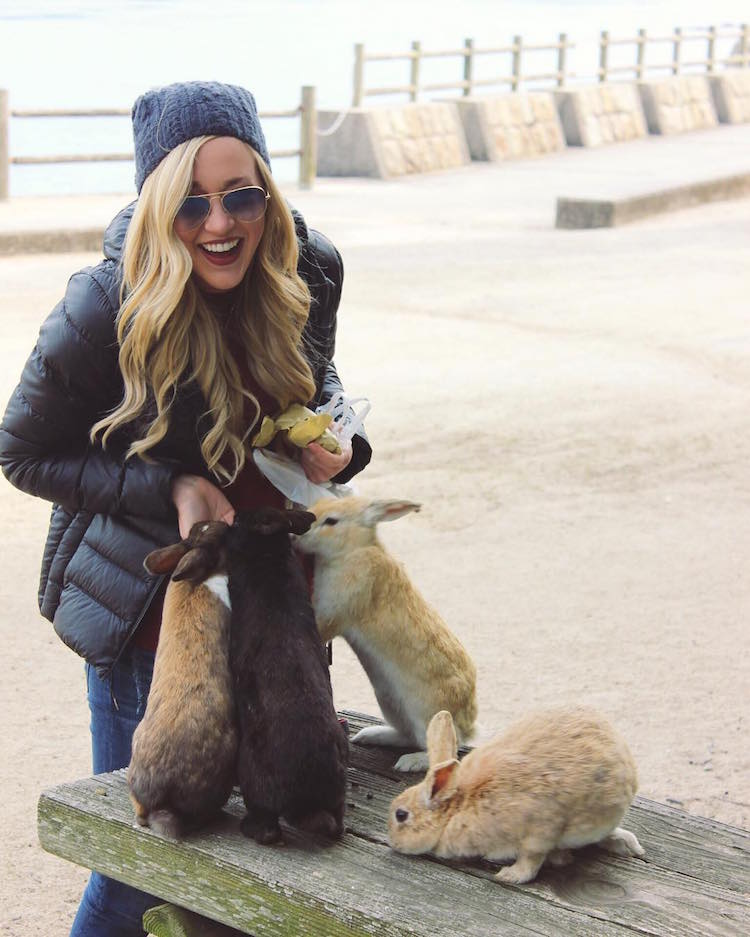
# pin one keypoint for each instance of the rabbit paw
(623, 843)
(416, 761)
(523, 870)
(381, 735)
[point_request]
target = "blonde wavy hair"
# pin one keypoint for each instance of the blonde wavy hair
(167, 332)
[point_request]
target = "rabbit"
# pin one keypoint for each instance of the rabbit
(181, 771)
(554, 781)
(293, 753)
(415, 664)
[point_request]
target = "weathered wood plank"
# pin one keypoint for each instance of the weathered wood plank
(304, 888)
(167, 920)
(695, 881)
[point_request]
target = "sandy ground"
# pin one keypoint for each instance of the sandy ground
(571, 408)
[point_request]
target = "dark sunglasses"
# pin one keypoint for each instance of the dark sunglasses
(245, 204)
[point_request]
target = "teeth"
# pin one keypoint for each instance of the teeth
(221, 248)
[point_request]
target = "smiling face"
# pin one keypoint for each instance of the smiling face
(222, 247)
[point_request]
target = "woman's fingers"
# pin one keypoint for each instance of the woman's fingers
(320, 465)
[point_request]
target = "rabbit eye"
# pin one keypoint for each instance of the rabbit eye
(402, 815)
(330, 521)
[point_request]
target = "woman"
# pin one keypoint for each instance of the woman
(214, 305)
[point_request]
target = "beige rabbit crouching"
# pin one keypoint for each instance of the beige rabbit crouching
(554, 781)
(415, 664)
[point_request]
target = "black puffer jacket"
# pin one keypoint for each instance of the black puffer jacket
(109, 512)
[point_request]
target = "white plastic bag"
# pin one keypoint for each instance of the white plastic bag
(346, 421)
(289, 478)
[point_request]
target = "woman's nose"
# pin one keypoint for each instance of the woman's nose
(218, 220)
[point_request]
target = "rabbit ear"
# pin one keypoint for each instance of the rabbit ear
(196, 565)
(440, 783)
(442, 744)
(165, 559)
(379, 511)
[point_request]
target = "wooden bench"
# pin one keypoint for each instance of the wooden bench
(695, 881)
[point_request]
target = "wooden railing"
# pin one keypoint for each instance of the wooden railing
(307, 150)
(468, 52)
(676, 41)
(514, 76)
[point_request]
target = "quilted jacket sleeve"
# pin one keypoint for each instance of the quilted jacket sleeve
(69, 381)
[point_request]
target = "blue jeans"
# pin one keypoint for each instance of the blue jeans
(109, 908)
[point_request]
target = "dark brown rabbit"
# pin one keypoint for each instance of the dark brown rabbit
(292, 751)
(182, 767)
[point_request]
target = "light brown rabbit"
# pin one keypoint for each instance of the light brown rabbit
(554, 781)
(415, 664)
(184, 751)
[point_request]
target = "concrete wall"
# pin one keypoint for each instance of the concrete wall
(604, 113)
(511, 126)
(677, 105)
(731, 96)
(386, 142)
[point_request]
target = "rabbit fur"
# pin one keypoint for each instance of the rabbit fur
(182, 766)
(554, 781)
(293, 752)
(414, 662)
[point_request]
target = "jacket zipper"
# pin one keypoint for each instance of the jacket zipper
(131, 633)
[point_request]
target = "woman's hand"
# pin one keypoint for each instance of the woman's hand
(197, 499)
(319, 465)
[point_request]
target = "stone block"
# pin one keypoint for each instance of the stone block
(510, 126)
(394, 141)
(731, 96)
(669, 105)
(602, 114)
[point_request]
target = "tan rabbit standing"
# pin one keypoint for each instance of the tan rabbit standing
(554, 781)
(415, 664)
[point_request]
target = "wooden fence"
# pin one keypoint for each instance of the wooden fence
(307, 151)
(514, 76)
(468, 52)
(676, 43)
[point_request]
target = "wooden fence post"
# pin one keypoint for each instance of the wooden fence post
(711, 48)
(468, 66)
(4, 146)
(359, 74)
(517, 43)
(308, 140)
(676, 51)
(561, 58)
(416, 48)
(641, 55)
(603, 54)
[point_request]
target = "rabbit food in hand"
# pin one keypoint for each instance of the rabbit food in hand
(183, 759)
(293, 752)
(556, 780)
(415, 664)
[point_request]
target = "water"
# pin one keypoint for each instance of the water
(97, 54)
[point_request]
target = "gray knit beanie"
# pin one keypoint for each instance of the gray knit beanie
(166, 117)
